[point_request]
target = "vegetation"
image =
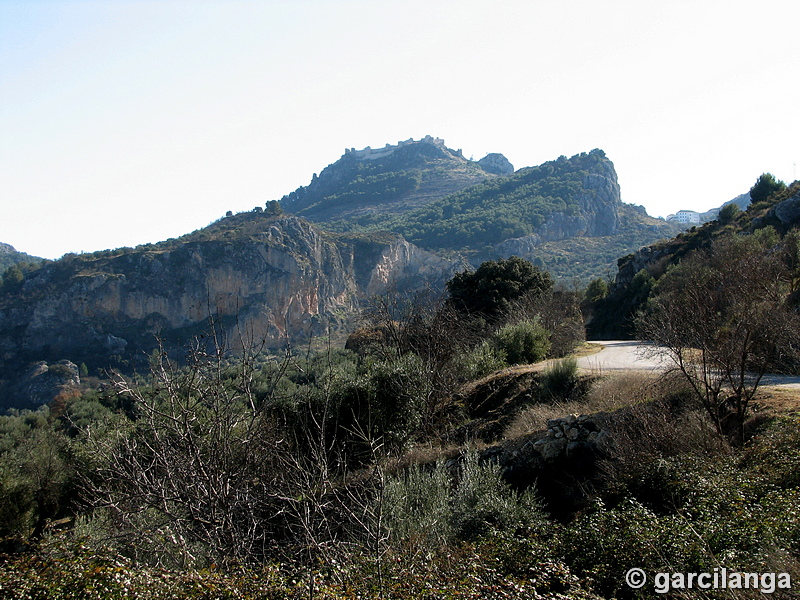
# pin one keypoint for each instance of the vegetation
(613, 316)
(10, 257)
(354, 473)
(669, 498)
(523, 343)
(724, 319)
(489, 291)
(488, 213)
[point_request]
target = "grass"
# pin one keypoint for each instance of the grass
(606, 394)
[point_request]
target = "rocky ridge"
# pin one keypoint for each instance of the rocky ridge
(422, 171)
(599, 203)
(287, 280)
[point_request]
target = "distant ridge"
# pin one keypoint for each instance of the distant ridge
(566, 215)
(10, 256)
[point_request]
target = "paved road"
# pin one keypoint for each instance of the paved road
(621, 355)
(618, 355)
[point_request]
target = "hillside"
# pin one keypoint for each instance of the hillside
(10, 256)
(263, 276)
(773, 213)
(390, 180)
(483, 210)
(403, 217)
(428, 460)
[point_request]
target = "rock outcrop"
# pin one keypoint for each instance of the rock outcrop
(496, 163)
(559, 460)
(287, 280)
(597, 215)
(787, 211)
(42, 383)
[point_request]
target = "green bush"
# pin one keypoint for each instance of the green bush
(481, 361)
(560, 380)
(483, 503)
(430, 507)
(417, 506)
(602, 544)
(526, 342)
(381, 403)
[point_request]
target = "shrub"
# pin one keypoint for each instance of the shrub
(483, 503)
(526, 342)
(426, 507)
(560, 380)
(417, 506)
(481, 361)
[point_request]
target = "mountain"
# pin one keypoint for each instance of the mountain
(406, 216)
(255, 274)
(566, 214)
(9, 256)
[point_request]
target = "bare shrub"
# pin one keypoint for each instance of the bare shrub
(197, 476)
(722, 319)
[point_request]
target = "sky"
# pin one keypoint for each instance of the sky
(130, 122)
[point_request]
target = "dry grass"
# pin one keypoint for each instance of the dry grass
(605, 395)
(772, 400)
(424, 454)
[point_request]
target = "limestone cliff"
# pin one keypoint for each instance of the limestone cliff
(598, 203)
(268, 277)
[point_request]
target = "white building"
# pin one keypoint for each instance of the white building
(685, 216)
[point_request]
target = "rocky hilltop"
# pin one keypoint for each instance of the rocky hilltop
(390, 180)
(266, 276)
(484, 210)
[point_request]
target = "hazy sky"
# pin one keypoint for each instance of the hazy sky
(126, 122)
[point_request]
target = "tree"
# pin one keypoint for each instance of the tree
(274, 208)
(490, 290)
(765, 186)
(722, 319)
(729, 212)
(12, 278)
(596, 290)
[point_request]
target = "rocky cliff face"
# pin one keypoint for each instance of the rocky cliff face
(288, 279)
(598, 215)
